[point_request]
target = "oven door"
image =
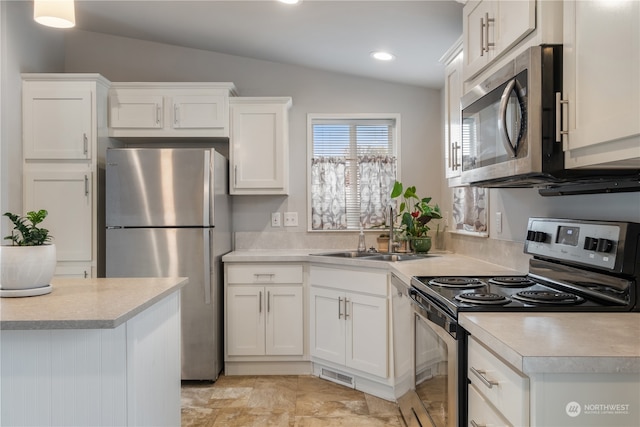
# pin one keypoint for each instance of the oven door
(439, 398)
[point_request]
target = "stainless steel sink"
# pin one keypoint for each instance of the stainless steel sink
(374, 256)
(397, 257)
(348, 254)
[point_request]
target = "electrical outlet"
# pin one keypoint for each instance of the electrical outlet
(275, 219)
(498, 222)
(291, 219)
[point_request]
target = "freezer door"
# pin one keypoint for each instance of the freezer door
(170, 252)
(158, 187)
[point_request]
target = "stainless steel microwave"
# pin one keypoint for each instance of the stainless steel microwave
(509, 123)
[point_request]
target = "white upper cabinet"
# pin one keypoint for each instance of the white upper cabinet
(64, 128)
(601, 84)
(259, 145)
(169, 109)
(491, 28)
(58, 121)
(453, 114)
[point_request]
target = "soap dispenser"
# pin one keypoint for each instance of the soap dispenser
(362, 246)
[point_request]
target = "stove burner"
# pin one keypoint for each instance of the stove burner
(456, 282)
(512, 281)
(482, 298)
(548, 297)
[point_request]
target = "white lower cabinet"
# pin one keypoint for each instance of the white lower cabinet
(349, 327)
(495, 389)
(265, 319)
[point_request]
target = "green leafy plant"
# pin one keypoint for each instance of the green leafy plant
(414, 212)
(26, 231)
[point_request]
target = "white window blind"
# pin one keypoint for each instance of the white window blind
(357, 154)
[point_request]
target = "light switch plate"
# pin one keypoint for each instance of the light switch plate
(291, 219)
(275, 219)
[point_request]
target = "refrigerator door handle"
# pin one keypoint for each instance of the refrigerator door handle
(207, 237)
(207, 205)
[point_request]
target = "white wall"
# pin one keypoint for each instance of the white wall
(26, 47)
(313, 91)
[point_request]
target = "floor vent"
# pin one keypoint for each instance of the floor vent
(337, 377)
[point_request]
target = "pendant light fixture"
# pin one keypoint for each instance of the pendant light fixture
(54, 13)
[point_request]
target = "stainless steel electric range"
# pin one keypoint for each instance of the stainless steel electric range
(577, 265)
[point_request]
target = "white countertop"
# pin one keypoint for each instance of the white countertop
(560, 342)
(434, 264)
(86, 303)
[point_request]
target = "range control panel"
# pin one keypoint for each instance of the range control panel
(592, 243)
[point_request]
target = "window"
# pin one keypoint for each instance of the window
(353, 166)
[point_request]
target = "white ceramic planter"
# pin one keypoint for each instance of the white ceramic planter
(26, 267)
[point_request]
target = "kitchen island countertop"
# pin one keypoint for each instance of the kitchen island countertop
(536, 343)
(102, 303)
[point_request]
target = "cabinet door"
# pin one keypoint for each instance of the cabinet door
(199, 112)
(245, 320)
(67, 198)
(284, 322)
(476, 32)
(367, 336)
(602, 83)
(491, 28)
(136, 111)
(57, 123)
(514, 20)
(259, 149)
(327, 334)
(453, 130)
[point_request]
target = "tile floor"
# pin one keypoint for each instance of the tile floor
(282, 401)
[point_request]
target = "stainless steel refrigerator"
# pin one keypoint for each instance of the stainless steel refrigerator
(168, 214)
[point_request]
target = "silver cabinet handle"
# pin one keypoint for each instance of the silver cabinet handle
(157, 114)
(456, 148)
(481, 375)
(86, 186)
(85, 142)
(475, 424)
(260, 302)
(486, 31)
(561, 105)
(85, 274)
(176, 113)
(346, 313)
(339, 307)
(268, 301)
(481, 36)
(235, 176)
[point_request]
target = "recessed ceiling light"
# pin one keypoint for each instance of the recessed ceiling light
(383, 56)
(290, 1)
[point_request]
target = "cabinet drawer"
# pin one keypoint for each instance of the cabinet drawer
(481, 412)
(505, 388)
(264, 273)
(370, 282)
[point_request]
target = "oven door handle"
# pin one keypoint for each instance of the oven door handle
(502, 120)
(438, 317)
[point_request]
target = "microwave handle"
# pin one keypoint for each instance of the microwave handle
(502, 120)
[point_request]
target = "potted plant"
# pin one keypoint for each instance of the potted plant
(28, 264)
(415, 213)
